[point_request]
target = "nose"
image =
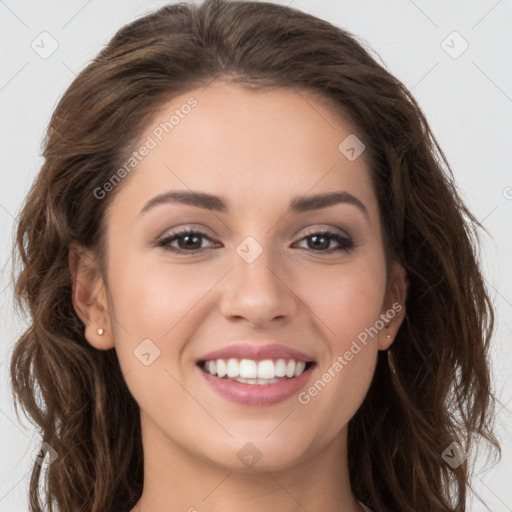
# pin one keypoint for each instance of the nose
(259, 292)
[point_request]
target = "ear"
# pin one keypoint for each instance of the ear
(393, 312)
(89, 297)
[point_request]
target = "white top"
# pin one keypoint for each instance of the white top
(364, 506)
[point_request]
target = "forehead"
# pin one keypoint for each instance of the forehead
(254, 146)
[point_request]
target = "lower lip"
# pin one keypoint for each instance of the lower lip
(257, 394)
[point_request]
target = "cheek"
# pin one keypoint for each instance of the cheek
(348, 302)
(162, 302)
(348, 299)
(152, 298)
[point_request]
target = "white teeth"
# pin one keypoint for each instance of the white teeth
(255, 372)
(290, 369)
(266, 369)
(221, 368)
(280, 368)
(299, 368)
(248, 369)
(232, 368)
(256, 381)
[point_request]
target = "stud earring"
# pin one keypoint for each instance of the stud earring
(100, 331)
(389, 335)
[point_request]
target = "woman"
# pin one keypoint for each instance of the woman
(252, 283)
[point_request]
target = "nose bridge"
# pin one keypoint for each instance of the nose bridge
(257, 288)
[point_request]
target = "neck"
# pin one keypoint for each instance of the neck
(175, 479)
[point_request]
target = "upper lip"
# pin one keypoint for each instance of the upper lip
(256, 352)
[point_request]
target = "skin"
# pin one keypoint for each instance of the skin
(258, 149)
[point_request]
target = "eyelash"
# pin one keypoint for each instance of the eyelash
(346, 243)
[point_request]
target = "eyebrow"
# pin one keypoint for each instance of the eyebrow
(211, 202)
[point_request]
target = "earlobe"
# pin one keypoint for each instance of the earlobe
(385, 343)
(89, 297)
(394, 309)
(99, 337)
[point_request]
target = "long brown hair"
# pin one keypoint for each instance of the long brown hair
(432, 388)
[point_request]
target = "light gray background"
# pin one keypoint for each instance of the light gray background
(467, 100)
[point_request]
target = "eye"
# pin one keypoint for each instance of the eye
(189, 241)
(321, 240)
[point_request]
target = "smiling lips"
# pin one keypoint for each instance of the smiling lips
(256, 374)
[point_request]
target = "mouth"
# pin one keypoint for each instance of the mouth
(256, 382)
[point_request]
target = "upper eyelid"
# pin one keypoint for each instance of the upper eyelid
(310, 230)
(204, 230)
(316, 229)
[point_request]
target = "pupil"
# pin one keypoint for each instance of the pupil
(324, 245)
(188, 237)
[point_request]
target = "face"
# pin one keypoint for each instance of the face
(265, 277)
